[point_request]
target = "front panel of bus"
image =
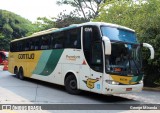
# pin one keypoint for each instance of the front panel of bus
(124, 64)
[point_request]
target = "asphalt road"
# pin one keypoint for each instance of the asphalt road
(29, 91)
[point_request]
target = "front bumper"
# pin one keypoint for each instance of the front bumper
(121, 89)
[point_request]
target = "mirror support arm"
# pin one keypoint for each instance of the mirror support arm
(150, 48)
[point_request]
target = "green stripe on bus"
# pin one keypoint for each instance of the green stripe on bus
(137, 78)
(134, 78)
(51, 63)
(42, 61)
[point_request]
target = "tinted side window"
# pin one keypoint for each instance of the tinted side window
(34, 44)
(27, 45)
(20, 46)
(45, 42)
(73, 38)
(13, 46)
(52, 46)
(37, 43)
(58, 40)
(64, 39)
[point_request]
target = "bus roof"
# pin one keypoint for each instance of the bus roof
(106, 24)
(52, 30)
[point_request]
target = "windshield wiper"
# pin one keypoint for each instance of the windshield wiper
(131, 59)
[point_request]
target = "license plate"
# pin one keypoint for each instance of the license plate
(128, 89)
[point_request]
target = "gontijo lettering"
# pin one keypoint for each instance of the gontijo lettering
(26, 56)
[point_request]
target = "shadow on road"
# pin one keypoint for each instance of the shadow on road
(105, 98)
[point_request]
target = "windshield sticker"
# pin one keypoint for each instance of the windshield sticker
(98, 86)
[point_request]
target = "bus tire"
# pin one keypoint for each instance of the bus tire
(71, 84)
(21, 74)
(16, 72)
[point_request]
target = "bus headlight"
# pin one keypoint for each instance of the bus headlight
(141, 81)
(112, 82)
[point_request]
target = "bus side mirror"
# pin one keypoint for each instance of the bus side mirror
(150, 48)
(107, 45)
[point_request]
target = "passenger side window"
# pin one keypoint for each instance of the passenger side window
(58, 40)
(21, 46)
(27, 45)
(36, 44)
(76, 40)
(32, 44)
(52, 46)
(14, 47)
(73, 38)
(45, 42)
(64, 39)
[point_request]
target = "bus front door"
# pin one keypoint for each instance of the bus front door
(93, 70)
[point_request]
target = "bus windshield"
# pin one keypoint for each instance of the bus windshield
(118, 34)
(125, 58)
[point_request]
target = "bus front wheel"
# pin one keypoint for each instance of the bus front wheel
(71, 84)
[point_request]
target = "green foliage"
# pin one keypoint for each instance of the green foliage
(64, 20)
(44, 23)
(83, 12)
(144, 17)
(7, 29)
(157, 82)
(87, 8)
(13, 26)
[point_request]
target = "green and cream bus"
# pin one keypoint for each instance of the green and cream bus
(94, 56)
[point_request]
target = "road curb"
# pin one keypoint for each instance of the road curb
(151, 89)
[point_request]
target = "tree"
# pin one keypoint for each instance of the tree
(88, 8)
(74, 17)
(64, 20)
(13, 26)
(44, 23)
(143, 16)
